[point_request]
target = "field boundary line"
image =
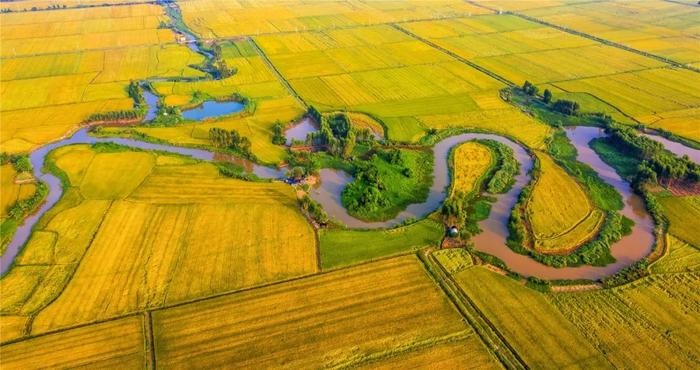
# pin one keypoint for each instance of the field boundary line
(201, 299)
(103, 5)
(590, 37)
(487, 331)
(682, 3)
(455, 56)
(30, 323)
(279, 75)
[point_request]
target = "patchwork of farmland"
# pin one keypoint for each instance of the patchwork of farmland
(405, 83)
(658, 27)
(349, 317)
(130, 233)
(155, 260)
(270, 101)
(650, 323)
(642, 88)
(58, 67)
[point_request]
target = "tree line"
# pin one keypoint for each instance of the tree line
(656, 161)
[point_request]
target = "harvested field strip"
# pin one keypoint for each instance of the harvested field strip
(305, 322)
(113, 344)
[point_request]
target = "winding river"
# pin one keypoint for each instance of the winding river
(492, 240)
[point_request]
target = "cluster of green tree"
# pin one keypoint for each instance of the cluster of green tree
(335, 134)
(538, 284)
(218, 63)
(314, 210)
(115, 116)
(278, 137)
(630, 273)
(656, 161)
(307, 162)
(364, 194)
(166, 115)
(566, 107)
(530, 89)
(230, 140)
(507, 167)
(20, 162)
(468, 209)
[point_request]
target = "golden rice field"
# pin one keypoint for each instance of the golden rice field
(129, 232)
(346, 318)
(405, 83)
(471, 161)
(559, 212)
(650, 323)
(658, 27)
(216, 18)
(58, 67)
(519, 50)
(683, 213)
(680, 257)
(112, 344)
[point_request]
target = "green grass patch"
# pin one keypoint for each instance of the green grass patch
(624, 165)
(341, 247)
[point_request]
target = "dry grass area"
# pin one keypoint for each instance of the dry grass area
(117, 344)
(167, 229)
(559, 212)
(372, 312)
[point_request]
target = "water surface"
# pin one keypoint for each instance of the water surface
(211, 109)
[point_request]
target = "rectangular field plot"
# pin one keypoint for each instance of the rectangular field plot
(113, 344)
(347, 317)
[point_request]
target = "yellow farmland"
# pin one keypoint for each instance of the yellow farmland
(641, 87)
(113, 344)
(471, 161)
(58, 67)
(102, 251)
(347, 317)
(559, 212)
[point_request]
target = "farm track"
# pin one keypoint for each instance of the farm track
(486, 330)
(591, 37)
(277, 73)
(453, 55)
